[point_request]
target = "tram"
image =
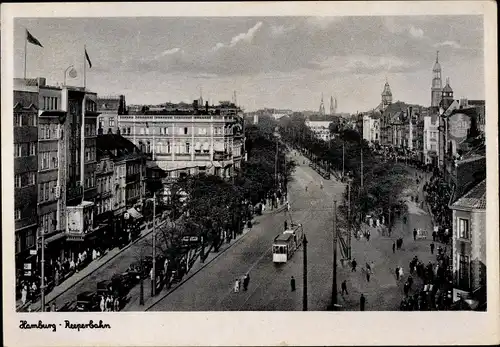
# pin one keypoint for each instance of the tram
(285, 244)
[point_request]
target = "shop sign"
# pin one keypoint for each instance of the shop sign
(27, 273)
(27, 266)
(32, 251)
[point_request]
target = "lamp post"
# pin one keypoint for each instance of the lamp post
(153, 274)
(304, 275)
(66, 72)
(334, 284)
(42, 270)
(349, 232)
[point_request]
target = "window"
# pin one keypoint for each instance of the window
(18, 119)
(463, 228)
(188, 147)
(17, 181)
(17, 150)
(46, 189)
(33, 148)
(55, 103)
(17, 214)
(142, 131)
(44, 163)
(433, 147)
(168, 147)
(47, 132)
(128, 131)
(111, 121)
(31, 178)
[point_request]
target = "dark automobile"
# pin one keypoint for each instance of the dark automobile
(87, 302)
(139, 269)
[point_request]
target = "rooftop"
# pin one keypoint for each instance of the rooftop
(117, 147)
(474, 198)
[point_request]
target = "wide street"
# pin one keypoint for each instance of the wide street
(211, 289)
(116, 265)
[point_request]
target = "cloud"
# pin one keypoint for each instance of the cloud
(452, 44)
(168, 52)
(278, 30)
(416, 32)
(246, 37)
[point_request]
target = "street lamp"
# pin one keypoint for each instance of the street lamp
(66, 72)
(41, 232)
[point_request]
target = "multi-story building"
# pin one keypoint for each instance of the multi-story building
(127, 179)
(469, 243)
(59, 169)
(109, 108)
(431, 140)
(371, 128)
(206, 139)
(104, 208)
(25, 175)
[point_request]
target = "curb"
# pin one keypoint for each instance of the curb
(107, 261)
(194, 273)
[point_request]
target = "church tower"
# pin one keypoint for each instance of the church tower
(386, 95)
(437, 85)
(322, 106)
(333, 105)
(447, 95)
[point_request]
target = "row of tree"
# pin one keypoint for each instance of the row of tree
(211, 210)
(352, 158)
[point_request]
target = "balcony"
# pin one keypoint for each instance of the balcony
(220, 156)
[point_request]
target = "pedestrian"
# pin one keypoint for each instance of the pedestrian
(432, 248)
(362, 301)
(414, 234)
(246, 281)
(54, 307)
(401, 272)
(397, 273)
(368, 276)
(353, 263)
(434, 234)
(404, 219)
(24, 294)
(368, 267)
(344, 287)
(292, 284)
(368, 235)
(393, 247)
(410, 281)
(236, 287)
(102, 304)
(406, 288)
(116, 305)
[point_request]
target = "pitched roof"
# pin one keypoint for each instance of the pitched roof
(474, 198)
(117, 147)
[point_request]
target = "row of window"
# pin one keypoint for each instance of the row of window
(90, 181)
(29, 240)
(47, 191)
(24, 149)
(50, 103)
(90, 154)
(104, 206)
(133, 191)
(48, 131)
(90, 130)
(48, 160)
(48, 222)
(166, 130)
(104, 184)
(24, 119)
(133, 169)
(463, 228)
(25, 179)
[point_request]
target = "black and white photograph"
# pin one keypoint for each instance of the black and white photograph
(230, 162)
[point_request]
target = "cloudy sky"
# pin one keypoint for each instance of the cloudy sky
(282, 62)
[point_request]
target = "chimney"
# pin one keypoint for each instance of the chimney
(206, 107)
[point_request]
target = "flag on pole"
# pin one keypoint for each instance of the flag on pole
(33, 40)
(88, 58)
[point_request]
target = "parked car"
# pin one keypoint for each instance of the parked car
(87, 301)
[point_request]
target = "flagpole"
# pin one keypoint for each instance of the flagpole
(84, 67)
(25, 49)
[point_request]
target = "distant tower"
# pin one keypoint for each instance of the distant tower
(437, 85)
(333, 105)
(322, 106)
(200, 100)
(386, 95)
(447, 95)
(234, 98)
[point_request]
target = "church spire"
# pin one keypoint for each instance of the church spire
(322, 106)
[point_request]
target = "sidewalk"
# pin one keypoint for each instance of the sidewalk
(384, 292)
(149, 302)
(81, 275)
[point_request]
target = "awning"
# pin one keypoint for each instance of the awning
(54, 237)
(217, 164)
(134, 213)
